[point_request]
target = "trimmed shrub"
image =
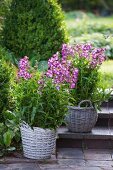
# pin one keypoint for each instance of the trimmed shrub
(5, 73)
(35, 28)
(7, 56)
(4, 6)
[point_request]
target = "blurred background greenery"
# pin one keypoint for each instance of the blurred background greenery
(92, 21)
(87, 21)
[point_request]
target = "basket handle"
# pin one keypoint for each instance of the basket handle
(25, 125)
(85, 101)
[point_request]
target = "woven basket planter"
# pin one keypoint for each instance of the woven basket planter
(37, 143)
(81, 119)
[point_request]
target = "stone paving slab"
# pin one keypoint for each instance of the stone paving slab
(93, 163)
(13, 160)
(72, 162)
(68, 159)
(69, 153)
(20, 166)
(54, 167)
(76, 168)
(100, 154)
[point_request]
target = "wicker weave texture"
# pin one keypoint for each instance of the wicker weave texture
(81, 119)
(37, 143)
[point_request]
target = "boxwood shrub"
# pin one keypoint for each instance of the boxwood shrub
(35, 28)
(5, 73)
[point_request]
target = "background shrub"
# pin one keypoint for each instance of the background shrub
(5, 73)
(4, 6)
(87, 27)
(35, 28)
(103, 6)
(86, 23)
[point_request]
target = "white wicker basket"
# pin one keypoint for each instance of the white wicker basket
(37, 143)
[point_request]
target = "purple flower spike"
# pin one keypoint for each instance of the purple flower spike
(23, 69)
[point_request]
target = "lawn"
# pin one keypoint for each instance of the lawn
(107, 72)
(107, 67)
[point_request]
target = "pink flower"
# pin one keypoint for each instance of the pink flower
(24, 69)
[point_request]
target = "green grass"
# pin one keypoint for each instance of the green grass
(107, 67)
(107, 73)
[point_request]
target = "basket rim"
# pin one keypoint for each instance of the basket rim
(33, 129)
(80, 108)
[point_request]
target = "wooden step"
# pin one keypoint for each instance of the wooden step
(106, 112)
(108, 103)
(99, 137)
(105, 117)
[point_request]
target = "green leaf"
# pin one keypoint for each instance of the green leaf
(42, 66)
(7, 138)
(33, 114)
(9, 115)
(1, 154)
(11, 149)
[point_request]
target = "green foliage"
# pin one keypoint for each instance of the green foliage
(107, 79)
(7, 56)
(106, 70)
(5, 74)
(98, 40)
(4, 7)
(6, 136)
(43, 108)
(72, 15)
(99, 5)
(89, 85)
(35, 28)
(53, 106)
(42, 66)
(26, 99)
(86, 27)
(6, 133)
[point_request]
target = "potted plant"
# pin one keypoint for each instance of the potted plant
(41, 107)
(76, 68)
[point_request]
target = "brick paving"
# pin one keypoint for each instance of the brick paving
(67, 159)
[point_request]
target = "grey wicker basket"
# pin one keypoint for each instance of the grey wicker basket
(37, 143)
(81, 119)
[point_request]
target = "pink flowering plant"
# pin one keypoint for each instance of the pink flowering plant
(76, 69)
(37, 99)
(24, 69)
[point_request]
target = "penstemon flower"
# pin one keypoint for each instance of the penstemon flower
(24, 68)
(62, 70)
(77, 66)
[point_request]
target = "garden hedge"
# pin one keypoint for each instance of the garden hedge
(35, 28)
(4, 88)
